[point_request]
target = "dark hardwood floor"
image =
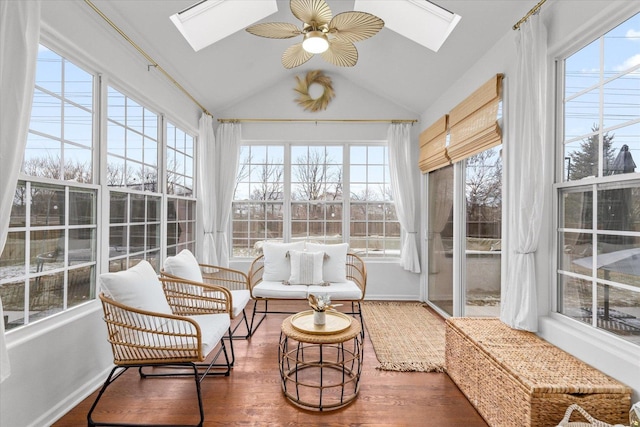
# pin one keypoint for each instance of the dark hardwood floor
(252, 396)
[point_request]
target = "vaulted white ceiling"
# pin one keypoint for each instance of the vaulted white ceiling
(241, 65)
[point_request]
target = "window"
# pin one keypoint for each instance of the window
(132, 175)
(296, 192)
(258, 206)
(599, 188)
(60, 140)
(375, 229)
(483, 251)
(181, 204)
(49, 261)
(316, 193)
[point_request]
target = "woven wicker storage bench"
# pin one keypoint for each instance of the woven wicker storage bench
(515, 378)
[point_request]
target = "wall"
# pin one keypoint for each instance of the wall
(386, 280)
(569, 26)
(57, 362)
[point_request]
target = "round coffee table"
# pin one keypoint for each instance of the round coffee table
(320, 369)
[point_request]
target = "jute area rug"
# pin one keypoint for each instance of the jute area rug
(405, 336)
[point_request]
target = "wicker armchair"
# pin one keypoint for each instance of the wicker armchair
(236, 282)
(184, 339)
(356, 271)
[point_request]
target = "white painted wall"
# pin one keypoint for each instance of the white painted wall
(570, 24)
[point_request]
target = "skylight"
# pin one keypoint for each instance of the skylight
(419, 20)
(209, 21)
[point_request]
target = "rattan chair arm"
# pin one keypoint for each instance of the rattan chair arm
(188, 298)
(146, 337)
(357, 271)
(255, 272)
(227, 277)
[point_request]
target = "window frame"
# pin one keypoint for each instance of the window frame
(100, 84)
(287, 199)
(592, 184)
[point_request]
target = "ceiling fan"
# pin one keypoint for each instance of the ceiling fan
(331, 36)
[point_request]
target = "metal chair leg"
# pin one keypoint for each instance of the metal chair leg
(253, 316)
(113, 376)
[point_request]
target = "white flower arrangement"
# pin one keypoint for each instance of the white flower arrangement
(321, 302)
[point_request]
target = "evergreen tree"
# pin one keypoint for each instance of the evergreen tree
(584, 162)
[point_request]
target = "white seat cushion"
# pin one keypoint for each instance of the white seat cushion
(184, 265)
(276, 289)
(345, 291)
(342, 291)
(137, 287)
(240, 299)
(212, 327)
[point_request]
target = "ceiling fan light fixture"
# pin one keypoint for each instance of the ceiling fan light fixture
(315, 42)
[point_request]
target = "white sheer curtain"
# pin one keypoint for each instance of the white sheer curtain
(440, 204)
(525, 175)
(19, 38)
(401, 168)
(227, 154)
(206, 189)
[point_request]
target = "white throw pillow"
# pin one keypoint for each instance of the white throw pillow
(137, 287)
(335, 264)
(277, 266)
(306, 268)
(184, 265)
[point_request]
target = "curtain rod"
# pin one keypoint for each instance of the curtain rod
(153, 63)
(318, 120)
(533, 11)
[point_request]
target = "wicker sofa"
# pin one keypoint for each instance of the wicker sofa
(345, 281)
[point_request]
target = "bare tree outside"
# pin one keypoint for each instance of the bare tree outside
(314, 174)
(270, 185)
(51, 167)
(484, 186)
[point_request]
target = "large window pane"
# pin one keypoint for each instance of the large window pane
(258, 211)
(39, 267)
(132, 141)
(60, 141)
(484, 233)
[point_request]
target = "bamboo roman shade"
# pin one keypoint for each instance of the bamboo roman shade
(473, 123)
(433, 146)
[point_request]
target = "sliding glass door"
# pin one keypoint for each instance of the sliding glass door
(465, 236)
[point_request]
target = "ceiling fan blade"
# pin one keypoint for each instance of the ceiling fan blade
(355, 26)
(341, 53)
(295, 56)
(275, 30)
(312, 12)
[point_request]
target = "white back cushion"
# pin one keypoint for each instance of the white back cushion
(184, 265)
(335, 265)
(306, 268)
(136, 287)
(277, 266)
